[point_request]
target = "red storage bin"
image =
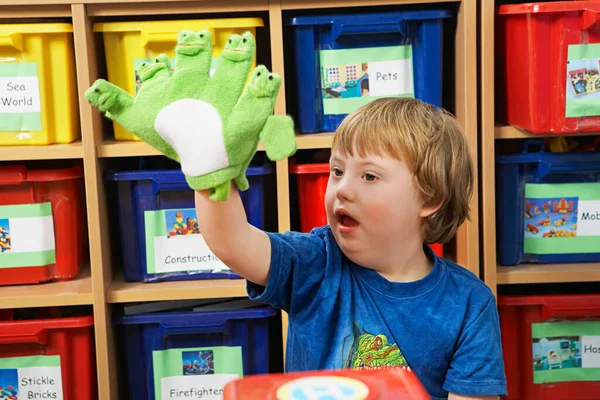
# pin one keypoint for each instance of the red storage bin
(562, 332)
(312, 182)
(538, 46)
(40, 358)
(34, 205)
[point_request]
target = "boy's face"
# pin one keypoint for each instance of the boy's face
(373, 207)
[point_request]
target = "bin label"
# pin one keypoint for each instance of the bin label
(37, 377)
(562, 218)
(20, 107)
(566, 351)
(351, 78)
(136, 63)
(26, 235)
(196, 373)
(174, 243)
(583, 80)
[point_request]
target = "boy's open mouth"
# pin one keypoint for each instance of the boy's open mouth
(347, 223)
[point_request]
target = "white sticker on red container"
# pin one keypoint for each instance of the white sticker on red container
(27, 235)
(174, 243)
(195, 373)
(20, 105)
(583, 80)
(35, 377)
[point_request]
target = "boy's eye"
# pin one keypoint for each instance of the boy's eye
(370, 178)
(337, 172)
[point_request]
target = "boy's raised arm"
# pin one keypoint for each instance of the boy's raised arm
(242, 247)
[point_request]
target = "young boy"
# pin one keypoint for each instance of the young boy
(364, 291)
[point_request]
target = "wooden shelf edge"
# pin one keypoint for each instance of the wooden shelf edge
(110, 148)
(44, 152)
(548, 273)
(312, 4)
(132, 292)
(66, 293)
(512, 132)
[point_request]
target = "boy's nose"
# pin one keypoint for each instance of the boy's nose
(344, 190)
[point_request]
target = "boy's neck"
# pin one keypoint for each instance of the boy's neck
(408, 264)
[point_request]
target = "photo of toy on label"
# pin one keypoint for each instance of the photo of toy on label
(174, 243)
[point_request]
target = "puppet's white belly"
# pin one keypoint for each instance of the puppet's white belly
(195, 131)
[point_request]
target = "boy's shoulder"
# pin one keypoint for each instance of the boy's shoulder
(465, 287)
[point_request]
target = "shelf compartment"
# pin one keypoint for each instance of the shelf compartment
(131, 292)
(74, 292)
(548, 273)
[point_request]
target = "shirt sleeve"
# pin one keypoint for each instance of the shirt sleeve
(298, 262)
(477, 366)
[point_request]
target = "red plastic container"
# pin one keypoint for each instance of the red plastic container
(30, 344)
(384, 384)
(312, 182)
(517, 316)
(63, 189)
(532, 50)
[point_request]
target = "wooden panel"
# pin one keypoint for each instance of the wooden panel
(50, 152)
(124, 292)
(549, 273)
(85, 54)
(134, 7)
(305, 4)
(41, 11)
(74, 292)
(467, 240)
(488, 185)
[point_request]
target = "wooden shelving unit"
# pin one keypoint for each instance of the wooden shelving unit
(102, 285)
(492, 132)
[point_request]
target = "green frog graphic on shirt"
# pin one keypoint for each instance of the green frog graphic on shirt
(374, 351)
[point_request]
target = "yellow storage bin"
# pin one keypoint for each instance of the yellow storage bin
(38, 89)
(128, 44)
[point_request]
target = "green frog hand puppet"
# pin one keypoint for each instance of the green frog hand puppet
(211, 125)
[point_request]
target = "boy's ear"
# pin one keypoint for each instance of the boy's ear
(427, 211)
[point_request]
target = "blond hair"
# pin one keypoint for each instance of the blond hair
(432, 144)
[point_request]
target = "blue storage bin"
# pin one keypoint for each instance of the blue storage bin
(331, 53)
(547, 206)
(180, 347)
(156, 246)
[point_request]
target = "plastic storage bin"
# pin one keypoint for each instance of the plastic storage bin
(38, 88)
(128, 44)
(160, 239)
(198, 351)
(548, 58)
(336, 56)
(312, 183)
(43, 227)
(550, 346)
(546, 206)
(53, 356)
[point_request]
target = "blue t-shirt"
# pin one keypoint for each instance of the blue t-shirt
(444, 327)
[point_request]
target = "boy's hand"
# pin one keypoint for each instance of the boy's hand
(204, 122)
